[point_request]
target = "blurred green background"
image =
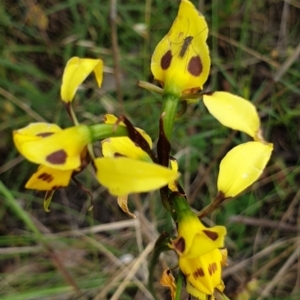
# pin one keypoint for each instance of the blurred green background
(254, 48)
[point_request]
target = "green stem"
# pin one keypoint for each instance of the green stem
(73, 115)
(179, 286)
(170, 109)
(103, 131)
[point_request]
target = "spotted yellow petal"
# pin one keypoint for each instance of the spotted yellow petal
(203, 273)
(46, 179)
(60, 150)
(123, 175)
(123, 146)
(33, 132)
(181, 61)
(194, 238)
(242, 166)
(76, 71)
(233, 112)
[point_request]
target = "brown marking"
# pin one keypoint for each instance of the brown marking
(46, 177)
(117, 154)
(212, 235)
(166, 60)
(195, 66)
(212, 268)
(186, 43)
(198, 273)
(180, 245)
(57, 158)
(45, 134)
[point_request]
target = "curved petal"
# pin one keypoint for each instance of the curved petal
(60, 150)
(46, 179)
(33, 132)
(123, 175)
(241, 166)
(233, 112)
(76, 71)
(181, 59)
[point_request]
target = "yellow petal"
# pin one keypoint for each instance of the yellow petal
(123, 175)
(76, 71)
(181, 61)
(122, 201)
(60, 150)
(242, 166)
(33, 132)
(168, 280)
(46, 179)
(123, 146)
(233, 112)
(174, 166)
(203, 273)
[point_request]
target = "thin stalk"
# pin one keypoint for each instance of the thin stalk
(169, 111)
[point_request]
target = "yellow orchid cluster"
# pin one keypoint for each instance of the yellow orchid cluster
(181, 64)
(64, 153)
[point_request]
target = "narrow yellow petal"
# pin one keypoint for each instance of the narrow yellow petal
(76, 71)
(233, 112)
(174, 166)
(181, 61)
(123, 175)
(242, 166)
(46, 179)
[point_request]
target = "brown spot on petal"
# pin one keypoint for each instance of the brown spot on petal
(212, 268)
(46, 177)
(180, 245)
(166, 60)
(195, 66)
(57, 158)
(45, 134)
(198, 273)
(212, 235)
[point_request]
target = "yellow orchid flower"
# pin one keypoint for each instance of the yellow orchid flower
(197, 246)
(75, 72)
(242, 166)
(181, 61)
(126, 168)
(48, 145)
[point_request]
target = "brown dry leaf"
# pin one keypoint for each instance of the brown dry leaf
(36, 16)
(122, 201)
(168, 280)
